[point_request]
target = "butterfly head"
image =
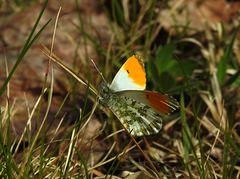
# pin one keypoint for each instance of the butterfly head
(105, 92)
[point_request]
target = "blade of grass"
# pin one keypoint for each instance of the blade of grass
(83, 163)
(69, 154)
(233, 165)
(148, 33)
(107, 14)
(119, 21)
(222, 66)
(193, 149)
(26, 47)
(6, 148)
(113, 158)
(83, 30)
(116, 158)
(8, 91)
(5, 137)
(118, 15)
(49, 100)
(221, 70)
(145, 156)
(230, 140)
(28, 44)
(226, 148)
(185, 138)
(200, 168)
(26, 163)
(74, 139)
(75, 126)
(97, 46)
(68, 69)
(40, 104)
(26, 128)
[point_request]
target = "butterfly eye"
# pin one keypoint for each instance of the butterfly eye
(106, 90)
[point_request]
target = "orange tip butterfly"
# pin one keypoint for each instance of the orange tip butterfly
(140, 111)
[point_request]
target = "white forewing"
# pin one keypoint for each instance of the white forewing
(122, 82)
(131, 76)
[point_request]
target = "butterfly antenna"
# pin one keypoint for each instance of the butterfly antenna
(98, 71)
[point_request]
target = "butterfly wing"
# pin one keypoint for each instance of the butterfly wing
(131, 76)
(161, 103)
(136, 117)
(140, 112)
(137, 114)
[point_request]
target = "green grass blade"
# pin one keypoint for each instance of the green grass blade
(49, 100)
(231, 142)
(26, 47)
(116, 158)
(7, 148)
(107, 14)
(97, 46)
(201, 169)
(186, 142)
(233, 165)
(118, 15)
(83, 163)
(82, 29)
(193, 149)
(222, 66)
(148, 33)
(226, 147)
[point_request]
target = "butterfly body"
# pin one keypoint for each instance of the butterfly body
(140, 111)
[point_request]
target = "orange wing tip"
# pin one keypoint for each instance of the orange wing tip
(134, 66)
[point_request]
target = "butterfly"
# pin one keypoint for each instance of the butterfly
(140, 111)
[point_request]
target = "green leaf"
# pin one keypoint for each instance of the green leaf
(177, 89)
(188, 66)
(166, 81)
(153, 74)
(221, 71)
(163, 57)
